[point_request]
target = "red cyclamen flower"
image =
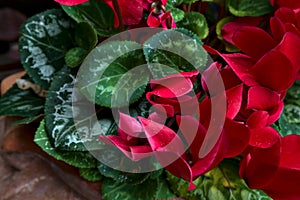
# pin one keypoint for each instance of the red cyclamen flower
(132, 11)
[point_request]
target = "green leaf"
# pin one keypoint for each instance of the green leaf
(195, 22)
(289, 121)
(174, 2)
(189, 1)
(223, 182)
(44, 40)
(114, 190)
(90, 174)
(23, 103)
(293, 94)
(85, 36)
(129, 178)
(174, 50)
(28, 120)
(75, 56)
(254, 8)
(176, 13)
(110, 76)
(97, 13)
(76, 159)
(64, 133)
(163, 190)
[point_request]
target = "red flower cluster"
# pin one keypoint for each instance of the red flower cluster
(255, 83)
(132, 11)
(269, 66)
(208, 142)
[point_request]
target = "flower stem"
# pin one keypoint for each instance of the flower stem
(119, 14)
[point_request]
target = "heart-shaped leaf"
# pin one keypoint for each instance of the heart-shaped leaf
(172, 51)
(64, 132)
(90, 174)
(195, 22)
(44, 40)
(85, 36)
(113, 75)
(76, 159)
(252, 8)
(97, 13)
(23, 103)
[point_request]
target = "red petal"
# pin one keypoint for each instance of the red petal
(289, 46)
(241, 64)
(275, 71)
(237, 135)
(277, 27)
(258, 119)
(230, 78)
(264, 137)
(262, 166)
(290, 152)
(153, 21)
(71, 2)
(130, 125)
(287, 3)
(230, 28)
(275, 113)
(285, 183)
(212, 81)
(179, 167)
(248, 39)
(212, 159)
(132, 11)
(161, 138)
(173, 88)
(286, 15)
(174, 85)
(234, 101)
(262, 98)
(193, 132)
(140, 152)
(118, 142)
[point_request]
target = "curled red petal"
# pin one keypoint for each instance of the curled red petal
(275, 113)
(174, 85)
(179, 167)
(193, 132)
(263, 137)
(234, 100)
(237, 136)
(229, 29)
(230, 78)
(278, 28)
(261, 165)
(153, 21)
(129, 125)
(211, 80)
(71, 2)
(241, 64)
(273, 67)
(286, 3)
(118, 142)
(289, 47)
(258, 119)
(140, 152)
(160, 137)
(262, 98)
(248, 39)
